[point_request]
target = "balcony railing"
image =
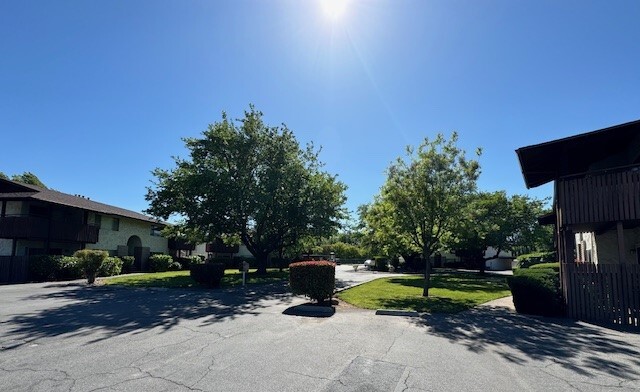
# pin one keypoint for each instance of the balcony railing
(37, 228)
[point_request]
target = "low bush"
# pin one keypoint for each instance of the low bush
(110, 266)
(69, 268)
(159, 262)
(537, 291)
(90, 261)
(43, 267)
(175, 266)
(207, 274)
(127, 264)
(315, 279)
(554, 266)
(54, 267)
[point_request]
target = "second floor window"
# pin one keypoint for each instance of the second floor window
(115, 224)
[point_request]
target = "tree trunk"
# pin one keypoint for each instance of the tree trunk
(427, 276)
(261, 259)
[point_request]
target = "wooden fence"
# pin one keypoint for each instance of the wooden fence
(14, 269)
(603, 293)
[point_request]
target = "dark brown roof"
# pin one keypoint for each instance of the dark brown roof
(545, 162)
(17, 190)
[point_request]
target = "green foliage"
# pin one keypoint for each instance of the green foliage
(422, 198)
(69, 268)
(28, 178)
(111, 266)
(344, 251)
(127, 264)
(90, 261)
(3, 176)
(208, 274)
(537, 291)
(529, 259)
(493, 219)
(252, 181)
(175, 266)
(554, 266)
(49, 267)
(315, 279)
(159, 262)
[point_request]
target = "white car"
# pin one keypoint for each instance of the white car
(369, 264)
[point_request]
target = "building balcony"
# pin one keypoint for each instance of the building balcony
(42, 229)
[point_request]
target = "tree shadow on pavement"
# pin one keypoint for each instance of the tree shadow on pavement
(111, 311)
(579, 347)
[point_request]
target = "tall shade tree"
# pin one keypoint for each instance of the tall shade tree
(250, 181)
(3, 176)
(425, 192)
(28, 178)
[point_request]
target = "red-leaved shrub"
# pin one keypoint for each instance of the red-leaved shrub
(315, 279)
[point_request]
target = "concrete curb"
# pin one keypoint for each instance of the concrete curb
(395, 312)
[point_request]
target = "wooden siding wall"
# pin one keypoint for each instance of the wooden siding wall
(14, 269)
(605, 293)
(609, 197)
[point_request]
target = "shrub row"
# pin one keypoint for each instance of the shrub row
(54, 267)
(159, 262)
(537, 291)
(315, 279)
(529, 259)
(207, 274)
(554, 266)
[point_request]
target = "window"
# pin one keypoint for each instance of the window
(156, 231)
(115, 224)
(98, 220)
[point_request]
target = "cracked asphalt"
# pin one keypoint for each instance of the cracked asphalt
(71, 337)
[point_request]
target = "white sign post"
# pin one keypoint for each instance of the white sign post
(245, 268)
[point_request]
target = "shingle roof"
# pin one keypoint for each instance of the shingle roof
(26, 191)
(573, 155)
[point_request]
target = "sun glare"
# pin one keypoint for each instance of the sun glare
(334, 9)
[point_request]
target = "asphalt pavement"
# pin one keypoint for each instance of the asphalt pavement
(73, 337)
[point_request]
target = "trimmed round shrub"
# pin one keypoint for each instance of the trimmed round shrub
(315, 279)
(90, 261)
(537, 291)
(111, 266)
(208, 274)
(159, 262)
(175, 266)
(127, 264)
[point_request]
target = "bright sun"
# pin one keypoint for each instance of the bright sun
(334, 9)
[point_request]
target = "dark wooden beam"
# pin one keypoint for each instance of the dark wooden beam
(621, 248)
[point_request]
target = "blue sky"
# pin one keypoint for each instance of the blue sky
(95, 94)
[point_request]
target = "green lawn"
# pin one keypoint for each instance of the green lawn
(450, 292)
(181, 279)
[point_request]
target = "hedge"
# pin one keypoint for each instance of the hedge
(110, 266)
(159, 262)
(315, 279)
(208, 274)
(537, 291)
(127, 264)
(554, 266)
(529, 259)
(54, 267)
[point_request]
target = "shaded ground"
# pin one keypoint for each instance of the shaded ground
(59, 337)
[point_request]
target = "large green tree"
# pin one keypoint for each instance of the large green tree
(493, 219)
(251, 181)
(424, 194)
(26, 178)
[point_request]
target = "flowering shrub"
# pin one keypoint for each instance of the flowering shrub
(315, 279)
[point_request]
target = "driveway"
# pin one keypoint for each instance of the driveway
(70, 337)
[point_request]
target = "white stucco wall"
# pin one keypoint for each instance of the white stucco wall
(201, 249)
(607, 246)
(109, 239)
